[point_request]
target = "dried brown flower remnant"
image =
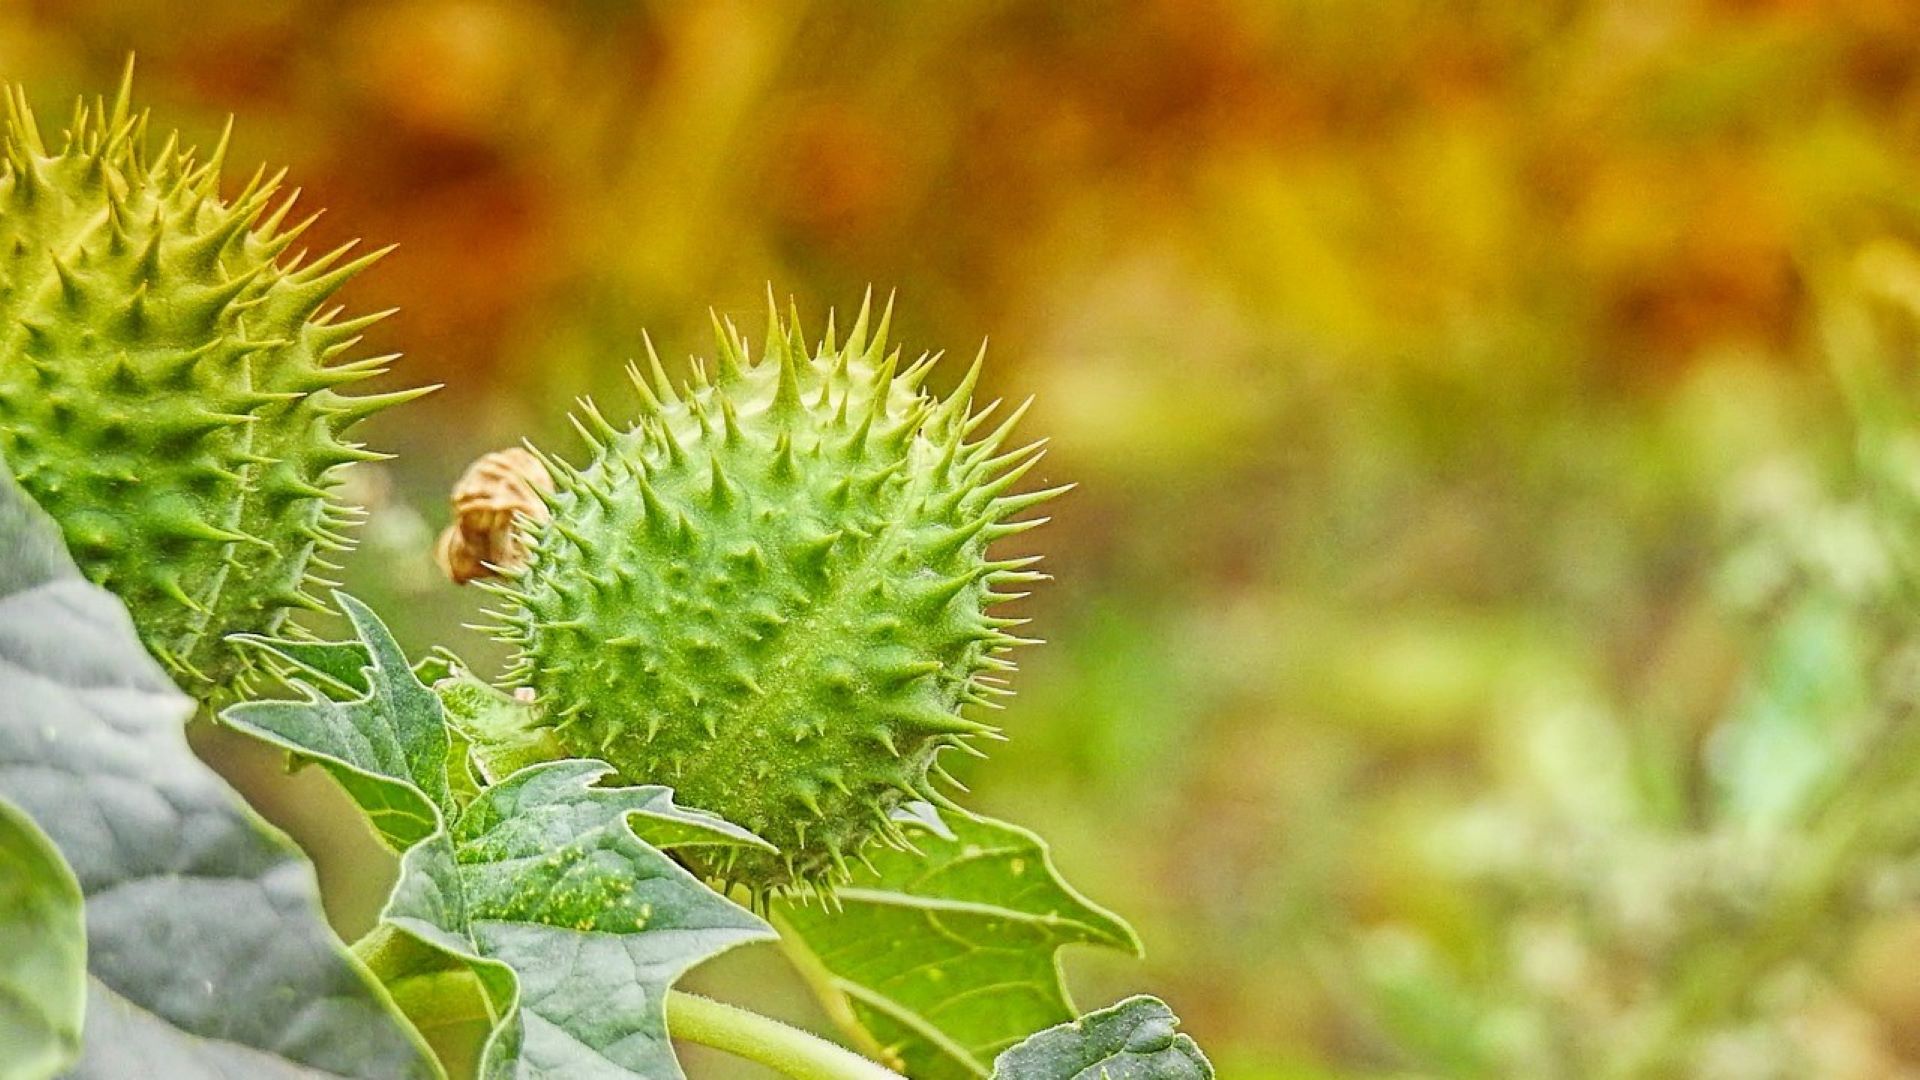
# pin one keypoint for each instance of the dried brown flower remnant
(491, 493)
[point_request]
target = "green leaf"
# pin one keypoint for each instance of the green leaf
(43, 952)
(388, 747)
(1138, 1039)
(548, 876)
(338, 667)
(939, 960)
(207, 951)
(553, 892)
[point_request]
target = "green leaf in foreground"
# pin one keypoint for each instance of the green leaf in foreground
(388, 746)
(207, 953)
(939, 960)
(552, 892)
(43, 952)
(1138, 1039)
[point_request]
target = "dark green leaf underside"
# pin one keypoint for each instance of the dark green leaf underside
(207, 951)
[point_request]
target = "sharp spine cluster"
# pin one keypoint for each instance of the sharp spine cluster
(169, 384)
(772, 591)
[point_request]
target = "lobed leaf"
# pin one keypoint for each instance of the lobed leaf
(553, 892)
(338, 667)
(207, 953)
(43, 952)
(942, 958)
(1137, 1039)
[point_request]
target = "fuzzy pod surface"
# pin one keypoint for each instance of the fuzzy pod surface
(169, 382)
(772, 591)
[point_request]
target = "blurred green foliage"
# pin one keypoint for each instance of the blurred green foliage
(1483, 642)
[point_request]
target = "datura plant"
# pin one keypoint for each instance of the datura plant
(748, 624)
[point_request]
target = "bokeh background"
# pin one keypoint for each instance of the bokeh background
(1483, 643)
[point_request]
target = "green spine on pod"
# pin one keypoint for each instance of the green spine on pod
(772, 591)
(169, 384)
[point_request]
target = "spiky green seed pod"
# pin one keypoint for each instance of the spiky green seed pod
(772, 591)
(169, 386)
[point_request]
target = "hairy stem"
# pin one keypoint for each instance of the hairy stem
(788, 1050)
(820, 981)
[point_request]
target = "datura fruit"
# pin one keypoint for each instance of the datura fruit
(772, 591)
(169, 383)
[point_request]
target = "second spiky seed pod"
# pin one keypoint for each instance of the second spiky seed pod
(772, 592)
(169, 386)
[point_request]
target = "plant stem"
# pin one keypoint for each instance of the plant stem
(820, 981)
(788, 1050)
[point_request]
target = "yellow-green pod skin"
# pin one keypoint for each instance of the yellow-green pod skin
(169, 383)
